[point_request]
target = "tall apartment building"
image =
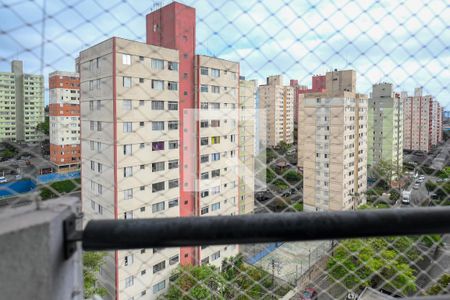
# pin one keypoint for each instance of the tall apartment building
(21, 105)
(385, 126)
(421, 126)
(332, 144)
(247, 142)
(159, 137)
(64, 118)
(276, 102)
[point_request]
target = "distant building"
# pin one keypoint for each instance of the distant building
(422, 121)
(64, 117)
(21, 105)
(332, 144)
(318, 86)
(276, 102)
(385, 126)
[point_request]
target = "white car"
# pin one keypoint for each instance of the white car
(3, 179)
(416, 186)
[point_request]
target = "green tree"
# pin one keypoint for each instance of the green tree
(394, 195)
(235, 280)
(8, 153)
(44, 127)
(383, 173)
(292, 176)
(91, 266)
(441, 285)
(359, 263)
(430, 186)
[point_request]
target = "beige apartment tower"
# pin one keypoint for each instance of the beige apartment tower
(385, 127)
(332, 144)
(21, 105)
(276, 103)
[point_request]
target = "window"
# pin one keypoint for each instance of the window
(141, 146)
(232, 138)
(173, 164)
(205, 175)
(128, 260)
(215, 123)
(91, 105)
(204, 71)
(158, 207)
(141, 124)
(159, 266)
(126, 81)
(215, 73)
(157, 125)
(141, 80)
(172, 125)
(129, 281)
(128, 215)
(99, 104)
(99, 126)
(173, 144)
(157, 187)
(215, 173)
(92, 125)
(127, 127)
(172, 66)
(215, 140)
(215, 89)
(157, 64)
(128, 194)
(172, 86)
(173, 105)
(157, 105)
(204, 193)
(127, 105)
(158, 166)
(204, 210)
(205, 261)
(204, 124)
(204, 141)
(173, 183)
(157, 85)
(127, 149)
(141, 103)
(204, 105)
(215, 206)
(215, 156)
(174, 259)
(99, 189)
(159, 287)
(126, 59)
(92, 165)
(204, 158)
(156, 146)
(127, 171)
(215, 255)
(173, 203)
(215, 190)
(214, 105)
(204, 88)
(99, 167)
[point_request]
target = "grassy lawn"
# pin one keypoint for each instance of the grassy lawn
(59, 188)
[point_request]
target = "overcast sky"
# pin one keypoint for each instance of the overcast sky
(403, 42)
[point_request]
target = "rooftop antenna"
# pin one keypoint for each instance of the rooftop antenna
(157, 5)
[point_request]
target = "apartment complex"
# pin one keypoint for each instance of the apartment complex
(64, 118)
(21, 105)
(276, 103)
(247, 142)
(385, 126)
(422, 121)
(332, 144)
(160, 138)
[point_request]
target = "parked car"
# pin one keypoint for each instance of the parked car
(309, 294)
(3, 179)
(416, 186)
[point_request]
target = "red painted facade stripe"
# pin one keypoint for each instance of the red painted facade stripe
(173, 27)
